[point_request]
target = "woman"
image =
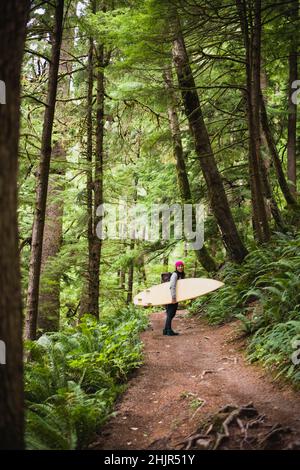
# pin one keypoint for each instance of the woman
(172, 308)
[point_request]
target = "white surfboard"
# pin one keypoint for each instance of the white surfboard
(185, 289)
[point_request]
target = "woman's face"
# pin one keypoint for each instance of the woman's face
(180, 268)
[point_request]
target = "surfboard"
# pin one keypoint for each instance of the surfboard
(186, 289)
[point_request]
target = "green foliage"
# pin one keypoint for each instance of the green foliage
(76, 374)
(269, 274)
(274, 346)
(227, 302)
(74, 377)
(264, 294)
(68, 420)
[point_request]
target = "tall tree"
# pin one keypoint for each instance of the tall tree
(217, 196)
(49, 295)
(182, 177)
(292, 106)
(269, 197)
(286, 191)
(252, 42)
(13, 20)
(87, 287)
(42, 178)
(130, 275)
(265, 162)
(122, 278)
(95, 243)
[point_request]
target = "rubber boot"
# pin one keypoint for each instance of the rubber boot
(170, 333)
(174, 333)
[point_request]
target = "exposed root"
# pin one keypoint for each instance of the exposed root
(235, 427)
(208, 371)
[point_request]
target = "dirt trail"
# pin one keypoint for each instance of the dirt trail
(202, 366)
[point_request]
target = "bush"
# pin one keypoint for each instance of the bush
(74, 377)
(274, 347)
(264, 294)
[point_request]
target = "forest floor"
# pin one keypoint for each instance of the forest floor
(186, 380)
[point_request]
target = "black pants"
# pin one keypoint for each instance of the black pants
(171, 312)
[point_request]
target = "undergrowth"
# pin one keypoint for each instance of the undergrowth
(264, 294)
(74, 377)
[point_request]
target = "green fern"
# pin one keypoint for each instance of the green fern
(264, 294)
(75, 376)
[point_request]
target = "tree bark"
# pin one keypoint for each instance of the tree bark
(42, 180)
(255, 142)
(49, 296)
(218, 200)
(290, 199)
(252, 44)
(13, 20)
(268, 194)
(143, 270)
(49, 293)
(292, 107)
(86, 291)
(182, 177)
(130, 276)
(166, 260)
(96, 243)
(122, 278)
(265, 162)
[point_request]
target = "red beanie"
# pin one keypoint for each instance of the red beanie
(179, 263)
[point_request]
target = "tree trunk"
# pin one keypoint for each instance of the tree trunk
(13, 20)
(292, 107)
(217, 196)
(275, 156)
(130, 276)
(143, 269)
(183, 182)
(122, 278)
(96, 244)
(255, 142)
(85, 294)
(253, 59)
(265, 163)
(49, 294)
(166, 260)
(49, 297)
(268, 194)
(42, 181)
